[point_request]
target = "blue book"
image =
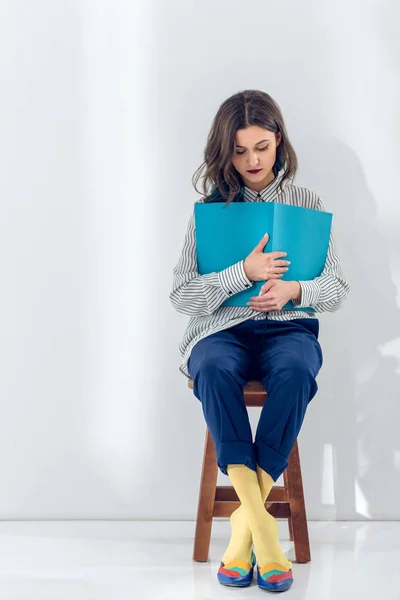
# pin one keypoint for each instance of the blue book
(227, 234)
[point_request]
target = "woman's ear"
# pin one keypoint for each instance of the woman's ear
(278, 138)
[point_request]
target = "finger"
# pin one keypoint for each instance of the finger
(277, 254)
(262, 243)
(262, 306)
(257, 300)
(267, 297)
(266, 287)
(262, 309)
(262, 300)
(281, 263)
(255, 307)
(254, 299)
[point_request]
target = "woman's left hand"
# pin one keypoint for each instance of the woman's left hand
(274, 295)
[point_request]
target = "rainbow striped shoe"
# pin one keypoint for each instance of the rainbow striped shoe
(237, 572)
(274, 578)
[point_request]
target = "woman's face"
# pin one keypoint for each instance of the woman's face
(255, 155)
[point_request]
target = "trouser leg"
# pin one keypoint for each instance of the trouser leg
(289, 360)
(219, 366)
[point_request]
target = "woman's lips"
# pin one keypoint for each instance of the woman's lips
(255, 171)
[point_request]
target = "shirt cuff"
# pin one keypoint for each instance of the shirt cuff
(310, 293)
(233, 279)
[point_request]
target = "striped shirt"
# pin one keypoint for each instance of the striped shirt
(201, 296)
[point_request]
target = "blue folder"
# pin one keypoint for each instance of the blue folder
(227, 234)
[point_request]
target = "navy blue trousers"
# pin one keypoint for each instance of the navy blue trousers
(286, 356)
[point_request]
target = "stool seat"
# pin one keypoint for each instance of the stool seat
(284, 502)
(254, 391)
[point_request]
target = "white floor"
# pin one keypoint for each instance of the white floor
(120, 560)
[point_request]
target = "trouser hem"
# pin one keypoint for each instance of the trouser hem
(270, 460)
(236, 453)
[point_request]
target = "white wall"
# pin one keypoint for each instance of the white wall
(105, 108)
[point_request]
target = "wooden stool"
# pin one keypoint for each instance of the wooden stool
(283, 502)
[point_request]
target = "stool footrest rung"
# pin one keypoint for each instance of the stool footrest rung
(226, 493)
(279, 510)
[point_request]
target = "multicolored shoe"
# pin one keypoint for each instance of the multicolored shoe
(237, 572)
(274, 578)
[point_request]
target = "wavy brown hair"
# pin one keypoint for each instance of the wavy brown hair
(249, 107)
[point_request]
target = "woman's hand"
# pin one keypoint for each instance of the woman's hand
(274, 295)
(260, 266)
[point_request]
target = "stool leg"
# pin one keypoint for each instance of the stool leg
(297, 507)
(290, 529)
(290, 524)
(205, 509)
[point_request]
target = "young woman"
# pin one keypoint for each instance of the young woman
(249, 158)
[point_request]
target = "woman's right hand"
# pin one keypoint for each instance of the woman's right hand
(262, 266)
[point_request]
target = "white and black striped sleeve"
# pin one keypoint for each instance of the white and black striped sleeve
(195, 294)
(326, 292)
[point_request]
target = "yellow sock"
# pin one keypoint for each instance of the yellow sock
(241, 542)
(263, 527)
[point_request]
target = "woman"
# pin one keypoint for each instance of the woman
(249, 158)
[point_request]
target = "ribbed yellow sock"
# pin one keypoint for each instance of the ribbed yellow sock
(263, 527)
(241, 541)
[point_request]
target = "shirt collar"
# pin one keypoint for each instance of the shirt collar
(268, 194)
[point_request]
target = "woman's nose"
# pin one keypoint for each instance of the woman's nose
(253, 160)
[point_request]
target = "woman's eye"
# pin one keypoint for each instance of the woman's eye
(260, 149)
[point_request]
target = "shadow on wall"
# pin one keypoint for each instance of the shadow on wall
(356, 412)
(360, 410)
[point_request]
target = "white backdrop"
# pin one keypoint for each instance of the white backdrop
(105, 109)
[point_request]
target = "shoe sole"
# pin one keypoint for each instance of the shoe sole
(279, 586)
(232, 583)
(236, 584)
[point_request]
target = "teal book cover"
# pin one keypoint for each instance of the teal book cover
(227, 234)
